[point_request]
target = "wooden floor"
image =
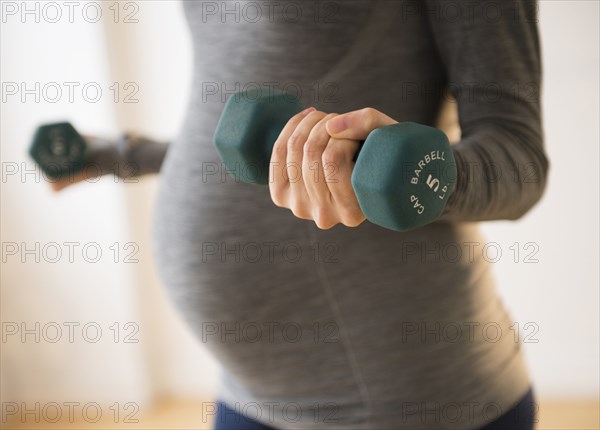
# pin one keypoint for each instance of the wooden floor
(174, 415)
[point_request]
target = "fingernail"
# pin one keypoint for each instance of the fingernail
(308, 110)
(337, 124)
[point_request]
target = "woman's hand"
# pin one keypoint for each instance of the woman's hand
(75, 178)
(310, 172)
(312, 163)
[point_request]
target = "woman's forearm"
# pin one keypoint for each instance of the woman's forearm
(502, 172)
(128, 157)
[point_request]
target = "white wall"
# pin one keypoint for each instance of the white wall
(559, 293)
(65, 291)
(166, 360)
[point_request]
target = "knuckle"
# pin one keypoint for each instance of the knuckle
(299, 210)
(369, 116)
(326, 225)
(333, 156)
(323, 219)
(351, 218)
(295, 142)
(312, 148)
(278, 200)
(279, 150)
(278, 196)
(350, 214)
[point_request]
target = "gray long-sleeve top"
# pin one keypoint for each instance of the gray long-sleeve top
(492, 66)
(394, 328)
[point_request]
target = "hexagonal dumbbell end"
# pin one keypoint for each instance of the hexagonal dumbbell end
(404, 175)
(58, 149)
(249, 126)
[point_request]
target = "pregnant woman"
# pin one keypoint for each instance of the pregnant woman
(319, 318)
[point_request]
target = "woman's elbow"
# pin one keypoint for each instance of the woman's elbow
(533, 179)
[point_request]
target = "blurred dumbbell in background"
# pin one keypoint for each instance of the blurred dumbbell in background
(67, 157)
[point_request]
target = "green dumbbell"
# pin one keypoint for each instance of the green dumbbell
(403, 176)
(58, 149)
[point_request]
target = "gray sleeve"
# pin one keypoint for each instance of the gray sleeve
(129, 157)
(491, 54)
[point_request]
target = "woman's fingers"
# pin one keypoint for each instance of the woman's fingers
(279, 186)
(310, 171)
(322, 210)
(338, 167)
(299, 201)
